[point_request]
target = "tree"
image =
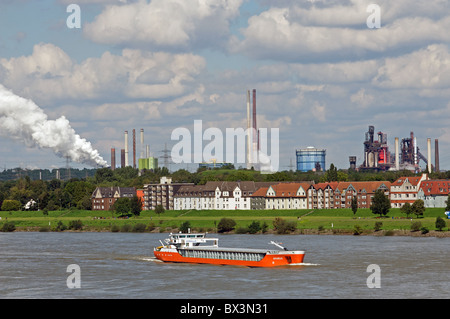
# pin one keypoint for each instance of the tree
(122, 206)
(354, 205)
(159, 209)
(380, 203)
(184, 227)
(447, 208)
(10, 205)
(418, 208)
(406, 209)
(440, 223)
(332, 174)
(254, 227)
(225, 225)
(136, 205)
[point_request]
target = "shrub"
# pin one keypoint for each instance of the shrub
(242, 230)
(139, 228)
(282, 226)
(424, 230)
(226, 225)
(8, 227)
(415, 226)
(357, 230)
(125, 228)
(378, 226)
(60, 226)
(10, 205)
(264, 227)
(254, 227)
(151, 226)
(76, 225)
(440, 223)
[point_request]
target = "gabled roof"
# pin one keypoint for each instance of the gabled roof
(413, 180)
(288, 189)
(363, 187)
(435, 187)
(113, 192)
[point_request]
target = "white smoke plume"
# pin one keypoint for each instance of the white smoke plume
(23, 120)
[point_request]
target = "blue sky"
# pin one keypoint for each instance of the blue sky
(321, 74)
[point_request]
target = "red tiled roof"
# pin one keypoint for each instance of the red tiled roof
(413, 180)
(436, 187)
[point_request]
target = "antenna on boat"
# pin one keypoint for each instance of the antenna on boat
(278, 245)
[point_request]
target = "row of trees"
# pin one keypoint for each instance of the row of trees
(58, 194)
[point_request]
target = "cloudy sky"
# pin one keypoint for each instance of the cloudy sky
(322, 75)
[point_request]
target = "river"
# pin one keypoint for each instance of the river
(121, 265)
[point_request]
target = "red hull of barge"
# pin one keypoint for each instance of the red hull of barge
(269, 260)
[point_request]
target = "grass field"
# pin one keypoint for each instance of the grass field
(335, 220)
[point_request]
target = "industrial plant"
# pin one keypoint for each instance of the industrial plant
(145, 161)
(407, 156)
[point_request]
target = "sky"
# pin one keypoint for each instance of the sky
(323, 73)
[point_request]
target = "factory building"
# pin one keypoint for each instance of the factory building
(148, 163)
(311, 159)
(407, 155)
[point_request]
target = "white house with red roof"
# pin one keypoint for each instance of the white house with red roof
(405, 190)
(434, 193)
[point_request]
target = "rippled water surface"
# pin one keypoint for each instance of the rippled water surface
(121, 265)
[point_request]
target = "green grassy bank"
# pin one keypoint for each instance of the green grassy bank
(334, 221)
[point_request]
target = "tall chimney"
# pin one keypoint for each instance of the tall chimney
(122, 158)
(147, 151)
(142, 143)
(113, 158)
(397, 155)
(255, 129)
(429, 154)
(126, 148)
(249, 132)
(436, 155)
(134, 148)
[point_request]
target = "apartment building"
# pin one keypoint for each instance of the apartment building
(281, 196)
(216, 195)
(103, 198)
(434, 193)
(161, 193)
(405, 190)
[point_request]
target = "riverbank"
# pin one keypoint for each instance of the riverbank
(320, 222)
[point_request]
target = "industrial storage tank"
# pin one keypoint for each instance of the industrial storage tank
(311, 159)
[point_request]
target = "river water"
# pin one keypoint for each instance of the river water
(121, 265)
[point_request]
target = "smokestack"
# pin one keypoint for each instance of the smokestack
(148, 151)
(249, 141)
(415, 152)
(113, 158)
(122, 158)
(126, 149)
(255, 129)
(436, 155)
(134, 148)
(429, 154)
(142, 143)
(397, 155)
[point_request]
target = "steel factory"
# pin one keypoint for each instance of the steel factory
(406, 155)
